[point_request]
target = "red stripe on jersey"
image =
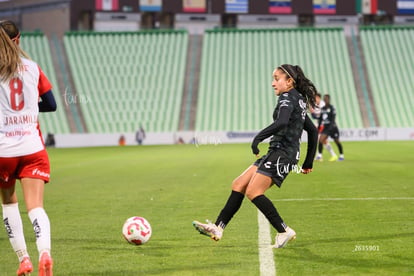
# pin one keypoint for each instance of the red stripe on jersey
(44, 84)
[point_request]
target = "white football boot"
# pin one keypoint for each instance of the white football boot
(209, 229)
(282, 239)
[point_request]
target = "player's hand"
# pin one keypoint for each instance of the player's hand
(306, 171)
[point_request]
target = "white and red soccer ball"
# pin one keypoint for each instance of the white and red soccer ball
(137, 230)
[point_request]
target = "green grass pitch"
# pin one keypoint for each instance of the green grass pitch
(352, 218)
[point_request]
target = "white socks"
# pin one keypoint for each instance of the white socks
(41, 227)
(14, 228)
(329, 148)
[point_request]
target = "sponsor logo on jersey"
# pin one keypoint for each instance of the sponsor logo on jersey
(17, 133)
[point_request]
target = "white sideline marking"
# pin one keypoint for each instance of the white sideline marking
(266, 259)
(344, 198)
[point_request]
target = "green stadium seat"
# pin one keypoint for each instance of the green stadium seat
(235, 92)
(389, 61)
(37, 47)
(125, 74)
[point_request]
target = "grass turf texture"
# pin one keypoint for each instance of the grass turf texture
(94, 190)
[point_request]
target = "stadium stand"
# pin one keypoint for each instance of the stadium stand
(127, 79)
(389, 59)
(235, 92)
(37, 47)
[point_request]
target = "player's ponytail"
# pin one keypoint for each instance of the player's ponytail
(10, 52)
(301, 83)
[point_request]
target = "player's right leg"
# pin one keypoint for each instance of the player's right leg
(14, 227)
(25, 267)
(215, 231)
(323, 139)
(11, 215)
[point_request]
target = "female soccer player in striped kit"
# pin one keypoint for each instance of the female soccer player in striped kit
(22, 151)
(296, 94)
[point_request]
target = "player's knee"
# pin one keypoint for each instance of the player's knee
(252, 192)
(238, 185)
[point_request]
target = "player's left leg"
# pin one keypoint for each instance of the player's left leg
(328, 132)
(340, 149)
(323, 142)
(33, 190)
(259, 184)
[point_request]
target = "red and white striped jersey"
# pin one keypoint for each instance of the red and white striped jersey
(19, 97)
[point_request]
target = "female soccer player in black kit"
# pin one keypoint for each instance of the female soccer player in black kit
(296, 93)
(328, 128)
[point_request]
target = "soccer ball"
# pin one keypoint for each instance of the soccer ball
(137, 230)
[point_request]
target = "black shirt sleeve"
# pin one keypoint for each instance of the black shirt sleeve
(333, 115)
(280, 123)
(47, 103)
(310, 128)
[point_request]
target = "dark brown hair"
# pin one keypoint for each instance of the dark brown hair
(301, 82)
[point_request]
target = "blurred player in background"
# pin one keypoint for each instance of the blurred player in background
(328, 128)
(316, 111)
(22, 151)
(296, 93)
(316, 114)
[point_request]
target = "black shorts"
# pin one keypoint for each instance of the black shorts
(331, 131)
(276, 165)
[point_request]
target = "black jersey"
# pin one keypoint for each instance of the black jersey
(289, 137)
(328, 116)
(286, 130)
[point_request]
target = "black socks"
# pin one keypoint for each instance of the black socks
(232, 206)
(320, 147)
(341, 151)
(262, 203)
(268, 209)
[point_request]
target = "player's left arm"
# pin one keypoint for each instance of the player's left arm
(47, 101)
(310, 128)
(333, 115)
